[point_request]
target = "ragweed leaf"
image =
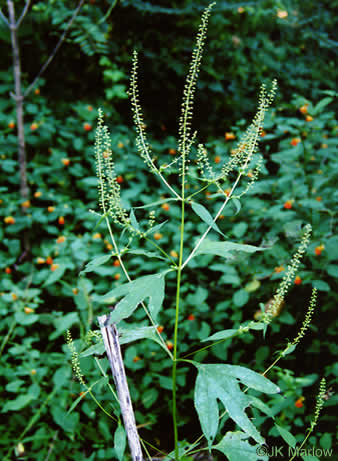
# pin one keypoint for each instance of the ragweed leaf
(236, 448)
(225, 249)
(221, 382)
(149, 286)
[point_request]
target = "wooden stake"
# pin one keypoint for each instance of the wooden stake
(113, 350)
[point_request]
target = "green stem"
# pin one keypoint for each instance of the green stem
(178, 287)
(6, 338)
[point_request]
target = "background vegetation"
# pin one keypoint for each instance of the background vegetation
(42, 294)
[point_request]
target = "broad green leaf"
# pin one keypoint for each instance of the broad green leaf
(286, 435)
(98, 261)
(126, 335)
(149, 286)
(95, 349)
(204, 214)
(55, 276)
(225, 249)
(240, 298)
(149, 254)
(17, 404)
(224, 334)
(221, 382)
(119, 442)
(320, 106)
(64, 323)
(133, 334)
(67, 421)
(25, 319)
(321, 285)
(235, 447)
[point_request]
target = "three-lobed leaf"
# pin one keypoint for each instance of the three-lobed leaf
(149, 286)
(221, 382)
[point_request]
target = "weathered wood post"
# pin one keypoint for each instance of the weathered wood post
(113, 350)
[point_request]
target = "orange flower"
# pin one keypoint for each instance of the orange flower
(53, 267)
(119, 179)
(240, 10)
(28, 310)
(75, 291)
(26, 204)
(319, 249)
(65, 161)
(116, 263)
(87, 126)
(158, 236)
(97, 236)
(229, 136)
(50, 209)
(49, 260)
(191, 317)
(60, 239)
(136, 358)
(37, 91)
(33, 372)
(109, 246)
(117, 276)
(172, 151)
(298, 280)
(288, 204)
(324, 146)
(174, 254)
(61, 220)
(170, 345)
(160, 328)
(303, 109)
(8, 270)
(90, 108)
(227, 192)
(40, 260)
(165, 207)
(14, 296)
(319, 199)
(308, 118)
(279, 269)
(221, 216)
(250, 174)
(295, 141)
(120, 145)
(34, 126)
(37, 194)
(217, 159)
(299, 402)
(11, 124)
(282, 14)
(9, 220)
(263, 133)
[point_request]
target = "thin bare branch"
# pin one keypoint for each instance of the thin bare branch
(51, 57)
(23, 14)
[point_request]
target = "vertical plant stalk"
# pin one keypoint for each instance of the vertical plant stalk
(113, 350)
(24, 190)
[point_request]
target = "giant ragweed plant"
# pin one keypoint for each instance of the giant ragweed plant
(215, 382)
